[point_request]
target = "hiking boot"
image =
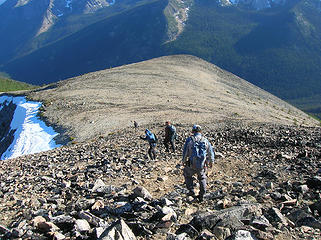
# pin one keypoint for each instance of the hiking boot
(200, 198)
(191, 193)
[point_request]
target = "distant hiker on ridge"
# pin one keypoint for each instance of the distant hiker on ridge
(198, 154)
(152, 140)
(170, 135)
(135, 125)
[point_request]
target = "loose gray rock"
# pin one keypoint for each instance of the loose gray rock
(81, 225)
(260, 222)
(210, 220)
(275, 216)
(301, 218)
(221, 233)
(142, 192)
(118, 230)
(243, 235)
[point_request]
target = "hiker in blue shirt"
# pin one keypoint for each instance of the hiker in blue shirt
(198, 155)
(152, 140)
(170, 135)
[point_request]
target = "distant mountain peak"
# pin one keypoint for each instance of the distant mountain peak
(59, 8)
(55, 9)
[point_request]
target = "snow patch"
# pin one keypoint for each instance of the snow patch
(21, 3)
(68, 4)
(255, 4)
(32, 135)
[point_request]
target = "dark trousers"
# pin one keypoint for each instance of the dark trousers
(201, 176)
(166, 143)
(151, 151)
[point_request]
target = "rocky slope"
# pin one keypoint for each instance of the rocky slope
(264, 185)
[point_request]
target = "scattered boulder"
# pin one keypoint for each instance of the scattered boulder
(142, 192)
(81, 225)
(117, 230)
(70, 193)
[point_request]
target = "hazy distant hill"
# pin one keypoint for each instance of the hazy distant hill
(129, 36)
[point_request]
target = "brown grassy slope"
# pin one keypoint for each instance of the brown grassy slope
(184, 89)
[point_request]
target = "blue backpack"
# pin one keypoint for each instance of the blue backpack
(151, 137)
(199, 152)
(172, 131)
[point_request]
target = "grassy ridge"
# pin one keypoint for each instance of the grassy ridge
(8, 85)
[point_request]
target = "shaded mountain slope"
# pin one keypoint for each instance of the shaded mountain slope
(127, 37)
(29, 25)
(182, 88)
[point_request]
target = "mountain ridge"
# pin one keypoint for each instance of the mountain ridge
(178, 87)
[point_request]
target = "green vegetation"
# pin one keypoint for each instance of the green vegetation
(8, 85)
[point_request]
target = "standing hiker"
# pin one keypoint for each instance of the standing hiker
(198, 154)
(152, 140)
(135, 125)
(170, 135)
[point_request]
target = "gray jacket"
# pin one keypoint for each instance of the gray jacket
(188, 148)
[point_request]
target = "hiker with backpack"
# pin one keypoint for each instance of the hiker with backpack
(198, 155)
(170, 135)
(152, 140)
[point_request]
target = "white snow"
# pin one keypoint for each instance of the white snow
(68, 3)
(32, 135)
